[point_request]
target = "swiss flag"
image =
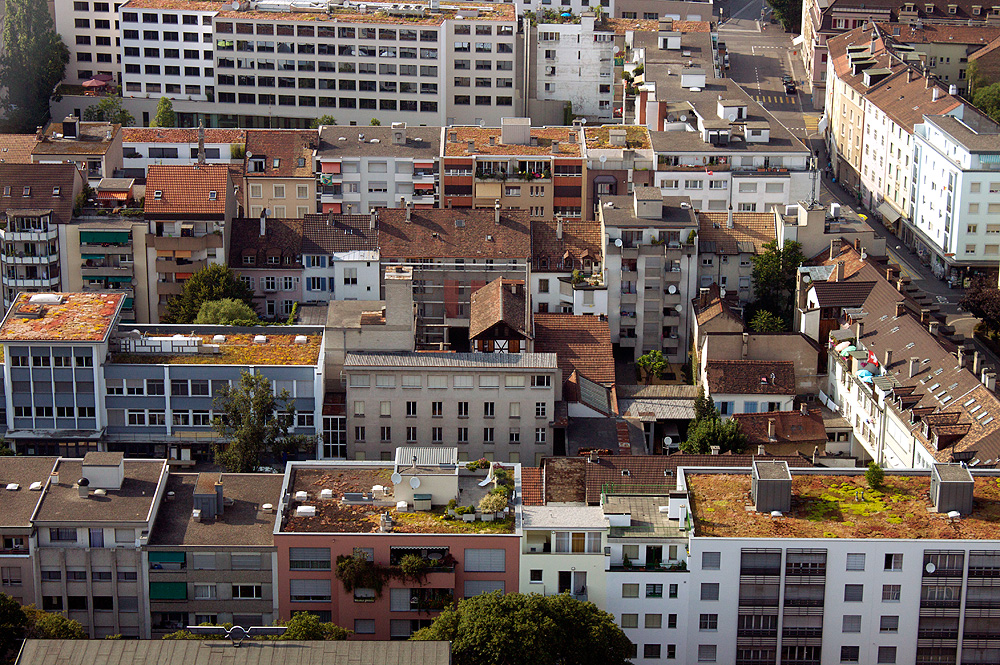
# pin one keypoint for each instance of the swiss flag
(872, 360)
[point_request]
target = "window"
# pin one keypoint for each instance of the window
(488, 409)
(205, 591)
(706, 653)
(540, 409)
(364, 626)
(708, 622)
(850, 654)
(711, 560)
(484, 561)
(309, 558)
(893, 562)
(854, 593)
(672, 591)
(856, 561)
(463, 409)
(385, 433)
(628, 620)
(650, 650)
(539, 435)
(671, 621)
(247, 591)
(309, 591)
(62, 534)
(890, 593)
(888, 624)
(852, 623)
(887, 654)
(541, 381)
(709, 590)
(350, 276)
(630, 590)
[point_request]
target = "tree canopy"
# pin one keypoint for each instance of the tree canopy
(788, 13)
(226, 312)
(109, 109)
(32, 64)
(18, 623)
(703, 434)
(767, 322)
(322, 120)
(982, 300)
(304, 626)
(987, 100)
(214, 282)
(165, 116)
(774, 273)
(652, 363)
(523, 629)
(255, 421)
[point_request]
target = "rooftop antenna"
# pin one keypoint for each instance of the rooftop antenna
(237, 634)
(813, 176)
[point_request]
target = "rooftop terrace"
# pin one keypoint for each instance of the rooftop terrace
(636, 137)
(839, 506)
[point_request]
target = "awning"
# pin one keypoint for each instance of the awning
(182, 253)
(888, 212)
(101, 237)
(112, 196)
(92, 256)
(166, 557)
(423, 185)
(821, 125)
(164, 253)
(120, 278)
(798, 40)
(181, 275)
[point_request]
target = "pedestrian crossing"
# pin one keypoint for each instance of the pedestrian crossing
(811, 121)
(775, 99)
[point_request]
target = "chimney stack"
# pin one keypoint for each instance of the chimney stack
(714, 450)
(857, 245)
(976, 360)
(447, 203)
(925, 314)
(900, 284)
(833, 248)
(888, 274)
(771, 425)
(837, 268)
(804, 409)
(961, 355)
(900, 308)
(909, 74)
(860, 329)
(935, 93)
(201, 142)
(888, 360)
(729, 219)
(496, 212)
(559, 227)
(932, 327)
(471, 146)
(572, 136)
(927, 81)
(263, 223)
(493, 141)
(409, 211)
(914, 366)
(555, 147)
(372, 219)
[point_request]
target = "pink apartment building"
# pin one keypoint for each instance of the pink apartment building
(345, 508)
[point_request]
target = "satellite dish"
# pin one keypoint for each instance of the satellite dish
(722, 293)
(806, 279)
(618, 243)
(396, 479)
(667, 440)
(414, 482)
(679, 308)
(684, 117)
(604, 158)
(671, 289)
(731, 117)
(930, 567)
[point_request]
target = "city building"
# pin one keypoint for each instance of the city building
(804, 352)
(785, 432)
(452, 251)
(726, 244)
(210, 556)
(617, 158)
(189, 210)
(37, 199)
(94, 516)
(331, 510)
(177, 146)
(942, 49)
(650, 269)
(280, 180)
(267, 255)
(713, 314)
(95, 147)
(362, 168)
(750, 386)
(495, 406)
(567, 267)
(500, 318)
(26, 477)
(562, 551)
(340, 256)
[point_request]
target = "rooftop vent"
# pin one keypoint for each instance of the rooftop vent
(305, 511)
(260, 339)
(219, 339)
(35, 486)
(13, 487)
(46, 299)
(951, 488)
(301, 496)
(301, 339)
(771, 486)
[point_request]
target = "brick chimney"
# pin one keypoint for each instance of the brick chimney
(888, 359)
(900, 308)
(914, 366)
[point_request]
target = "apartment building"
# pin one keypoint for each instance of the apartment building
(497, 406)
(575, 63)
(567, 267)
(726, 244)
(210, 557)
(94, 516)
(95, 147)
(360, 169)
(651, 270)
(25, 477)
(555, 544)
(37, 199)
(515, 166)
(90, 32)
(808, 358)
(333, 509)
(177, 146)
(279, 172)
(954, 192)
(188, 209)
(617, 158)
(943, 49)
(453, 251)
(267, 255)
(750, 386)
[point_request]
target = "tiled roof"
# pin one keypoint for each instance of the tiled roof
(906, 99)
(789, 427)
(842, 294)
(282, 239)
(454, 233)
(334, 234)
(531, 486)
(713, 306)
(79, 317)
(40, 179)
(986, 50)
(453, 360)
(336, 141)
(186, 189)
(750, 232)
(940, 33)
(877, 50)
(500, 301)
(580, 239)
(750, 377)
(92, 140)
(16, 148)
(290, 149)
(182, 135)
(480, 136)
(581, 343)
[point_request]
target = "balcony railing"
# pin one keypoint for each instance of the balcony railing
(802, 632)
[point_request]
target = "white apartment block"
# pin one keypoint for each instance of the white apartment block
(90, 32)
(956, 183)
(497, 406)
(574, 62)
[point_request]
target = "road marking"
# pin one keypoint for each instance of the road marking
(902, 267)
(775, 99)
(812, 122)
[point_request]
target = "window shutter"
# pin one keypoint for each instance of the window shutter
(476, 587)
(309, 590)
(485, 561)
(399, 600)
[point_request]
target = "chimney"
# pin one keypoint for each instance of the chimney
(760, 449)
(83, 487)
(745, 349)
(493, 140)
(925, 314)
(447, 203)
(932, 327)
(914, 366)
(888, 274)
(559, 227)
(888, 359)
(961, 355)
(714, 450)
(804, 409)
(729, 219)
(771, 425)
(54, 478)
(861, 329)
(953, 90)
(555, 147)
(935, 93)
(409, 212)
(496, 212)
(372, 219)
(900, 308)
(975, 362)
(989, 379)
(572, 136)
(452, 137)
(900, 284)
(263, 223)
(927, 81)
(219, 502)
(833, 248)
(909, 74)
(838, 267)
(857, 245)
(201, 143)
(471, 146)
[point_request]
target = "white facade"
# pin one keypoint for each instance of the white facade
(341, 276)
(741, 185)
(575, 63)
(90, 32)
(554, 292)
(562, 551)
(354, 185)
(140, 155)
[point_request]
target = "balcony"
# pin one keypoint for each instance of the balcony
(982, 571)
(106, 248)
(105, 271)
(758, 632)
(31, 283)
(958, 603)
(167, 265)
(627, 342)
(28, 236)
(191, 243)
(14, 551)
(801, 632)
(946, 634)
(758, 602)
(803, 602)
(169, 288)
(30, 260)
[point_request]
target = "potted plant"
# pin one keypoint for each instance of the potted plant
(451, 508)
(468, 513)
(492, 503)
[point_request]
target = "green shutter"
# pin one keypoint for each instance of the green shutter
(119, 278)
(92, 256)
(167, 591)
(101, 237)
(166, 557)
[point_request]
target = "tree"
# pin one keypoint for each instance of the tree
(32, 64)
(788, 12)
(165, 116)
(704, 407)
(493, 503)
(109, 109)
(214, 282)
(255, 421)
(322, 120)
(982, 300)
(529, 629)
(304, 626)
(43, 625)
(976, 79)
(767, 322)
(774, 273)
(874, 476)
(226, 312)
(12, 624)
(375, 122)
(704, 434)
(987, 100)
(652, 364)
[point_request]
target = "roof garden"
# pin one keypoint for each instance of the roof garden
(66, 317)
(839, 506)
(636, 137)
(266, 349)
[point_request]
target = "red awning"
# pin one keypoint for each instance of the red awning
(423, 185)
(112, 196)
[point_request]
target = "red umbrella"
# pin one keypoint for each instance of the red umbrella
(94, 83)
(104, 77)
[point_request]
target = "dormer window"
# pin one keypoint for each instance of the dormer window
(274, 260)
(277, 162)
(952, 9)
(55, 191)
(302, 162)
(909, 7)
(26, 191)
(928, 8)
(158, 194)
(213, 195)
(976, 10)
(6, 190)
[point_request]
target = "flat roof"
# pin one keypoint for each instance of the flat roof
(831, 506)
(17, 506)
(279, 349)
(477, 11)
(336, 516)
(242, 522)
(564, 517)
(543, 138)
(636, 137)
(647, 519)
(452, 360)
(76, 317)
(61, 501)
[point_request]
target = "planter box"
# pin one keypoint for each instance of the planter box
(469, 517)
(488, 517)
(452, 513)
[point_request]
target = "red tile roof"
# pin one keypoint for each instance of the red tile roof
(282, 238)
(187, 189)
(789, 427)
(750, 377)
(182, 135)
(16, 148)
(581, 344)
(580, 239)
(500, 301)
(292, 148)
(454, 233)
(750, 230)
(531, 486)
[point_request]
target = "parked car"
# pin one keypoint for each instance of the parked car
(789, 84)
